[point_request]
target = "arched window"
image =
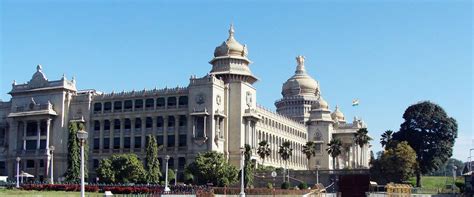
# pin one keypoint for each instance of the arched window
(159, 122)
(128, 105)
(171, 101)
(116, 124)
(138, 104)
(148, 122)
(128, 124)
(107, 106)
(183, 101)
(171, 121)
(96, 125)
(117, 106)
(107, 125)
(97, 107)
(182, 120)
(160, 102)
(149, 103)
(138, 123)
(318, 136)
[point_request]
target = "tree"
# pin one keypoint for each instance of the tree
(431, 133)
(395, 164)
(263, 150)
(73, 172)
(362, 138)
(152, 163)
(121, 168)
(334, 149)
(447, 168)
(309, 150)
(285, 152)
(171, 176)
(212, 167)
(386, 138)
(248, 166)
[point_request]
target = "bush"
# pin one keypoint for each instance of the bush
(461, 186)
(303, 186)
(285, 185)
(270, 185)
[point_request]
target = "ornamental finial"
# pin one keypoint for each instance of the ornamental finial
(39, 68)
(231, 30)
(300, 61)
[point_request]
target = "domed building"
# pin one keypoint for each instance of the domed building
(215, 112)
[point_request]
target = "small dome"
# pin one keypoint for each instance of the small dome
(231, 47)
(300, 83)
(338, 115)
(320, 104)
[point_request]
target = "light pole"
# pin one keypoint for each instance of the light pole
(167, 189)
(242, 190)
(454, 177)
(175, 176)
(18, 159)
(317, 174)
(470, 158)
(51, 148)
(82, 136)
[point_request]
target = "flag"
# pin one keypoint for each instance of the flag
(355, 102)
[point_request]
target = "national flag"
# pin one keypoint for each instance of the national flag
(355, 102)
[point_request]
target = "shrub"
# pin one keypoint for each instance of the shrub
(303, 186)
(285, 185)
(270, 185)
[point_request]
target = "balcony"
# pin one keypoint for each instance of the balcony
(33, 109)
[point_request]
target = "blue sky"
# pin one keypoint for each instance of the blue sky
(389, 54)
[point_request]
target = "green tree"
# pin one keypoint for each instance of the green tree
(121, 168)
(431, 133)
(334, 149)
(309, 150)
(285, 152)
(386, 138)
(212, 167)
(362, 138)
(248, 166)
(397, 164)
(73, 172)
(152, 163)
(171, 176)
(447, 168)
(263, 150)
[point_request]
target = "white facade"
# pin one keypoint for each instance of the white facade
(216, 112)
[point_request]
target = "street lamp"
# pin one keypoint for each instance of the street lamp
(18, 159)
(82, 136)
(242, 190)
(175, 176)
(470, 158)
(51, 148)
(167, 189)
(317, 174)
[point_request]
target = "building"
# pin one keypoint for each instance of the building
(216, 112)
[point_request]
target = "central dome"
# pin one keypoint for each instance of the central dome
(231, 47)
(300, 84)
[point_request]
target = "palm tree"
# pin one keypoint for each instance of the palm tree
(334, 149)
(309, 150)
(386, 138)
(285, 152)
(264, 150)
(361, 138)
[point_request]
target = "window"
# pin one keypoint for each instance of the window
(159, 140)
(3, 169)
(199, 126)
(182, 121)
(42, 144)
(116, 124)
(171, 163)
(182, 140)
(148, 122)
(116, 142)
(171, 101)
(118, 106)
(149, 103)
(106, 143)
(318, 136)
(128, 105)
(126, 142)
(128, 124)
(138, 142)
(159, 122)
(30, 163)
(160, 102)
(181, 163)
(43, 128)
(171, 121)
(183, 100)
(30, 144)
(107, 125)
(170, 140)
(96, 143)
(318, 148)
(96, 163)
(96, 125)
(138, 104)
(107, 106)
(138, 123)
(41, 163)
(97, 107)
(31, 129)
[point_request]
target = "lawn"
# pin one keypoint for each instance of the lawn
(436, 183)
(15, 192)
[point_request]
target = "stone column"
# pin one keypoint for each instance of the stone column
(154, 127)
(25, 125)
(38, 130)
(122, 126)
(143, 131)
(176, 132)
(101, 135)
(165, 132)
(132, 134)
(48, 124)
(205, 125)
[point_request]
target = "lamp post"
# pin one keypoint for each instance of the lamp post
(18, 159)
(454, 177)
(242, 190)
(167, 189)
(82, 136)
(175, 176)
(317, 174)
(51, 148)
(470, 159)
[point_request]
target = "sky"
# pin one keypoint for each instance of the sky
(388, 54)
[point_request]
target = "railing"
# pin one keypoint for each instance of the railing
(37, 107)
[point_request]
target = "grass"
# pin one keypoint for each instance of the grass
(16, 192)
(435, 184)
